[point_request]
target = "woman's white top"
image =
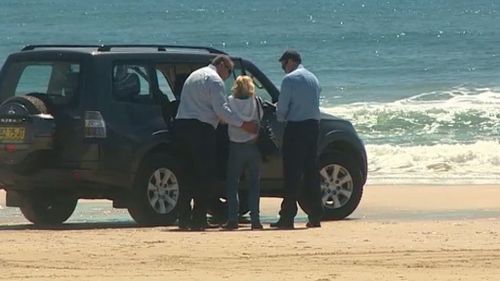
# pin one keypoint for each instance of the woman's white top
(246, 109)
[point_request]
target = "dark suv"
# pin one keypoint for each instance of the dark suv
(94, 122)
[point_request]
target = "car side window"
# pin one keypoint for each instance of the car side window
(230, 81)
(164, 86)
(131, 83)
(259, 88)
(174, 75)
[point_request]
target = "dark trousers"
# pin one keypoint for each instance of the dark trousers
(195, 145)
(300, 167)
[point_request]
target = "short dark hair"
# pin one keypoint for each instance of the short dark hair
(291, 54)
(222, 58)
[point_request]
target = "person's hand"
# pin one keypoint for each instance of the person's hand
(250, 126)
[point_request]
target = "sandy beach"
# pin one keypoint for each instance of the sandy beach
(397, 233)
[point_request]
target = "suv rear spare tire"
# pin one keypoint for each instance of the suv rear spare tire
(28, 129)
(31, 104)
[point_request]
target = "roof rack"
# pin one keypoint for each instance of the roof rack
(107, 48)
(32, 47)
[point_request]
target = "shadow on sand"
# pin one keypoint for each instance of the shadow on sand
(73, 226)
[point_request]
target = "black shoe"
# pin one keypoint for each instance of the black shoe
(257, 226)
(197, 228)
(282, 225)
(231, 225)
(184, 225)
(212, 225)
(313, 224)
(202, 224)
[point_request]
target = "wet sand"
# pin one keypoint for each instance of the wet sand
(397, 233)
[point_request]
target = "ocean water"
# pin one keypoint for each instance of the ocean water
(420, 80)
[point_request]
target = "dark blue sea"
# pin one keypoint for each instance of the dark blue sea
(420, 80)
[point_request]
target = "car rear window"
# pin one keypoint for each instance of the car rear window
(58, 81)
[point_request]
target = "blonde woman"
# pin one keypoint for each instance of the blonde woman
(243, 153)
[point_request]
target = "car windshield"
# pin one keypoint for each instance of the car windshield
(59, 81)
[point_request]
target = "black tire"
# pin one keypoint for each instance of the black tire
(340, 199)
(48, 208)
(29, 104)
(158, 204)
(32, 103)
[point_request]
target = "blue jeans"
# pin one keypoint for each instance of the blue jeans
(243, 157)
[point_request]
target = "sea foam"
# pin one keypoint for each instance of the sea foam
(456, 116)
(439, 137)
(442, 163)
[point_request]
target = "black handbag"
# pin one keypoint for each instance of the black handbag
(266, 140)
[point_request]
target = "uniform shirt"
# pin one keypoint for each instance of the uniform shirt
(203, 98)
(299, 97)
(246, 109)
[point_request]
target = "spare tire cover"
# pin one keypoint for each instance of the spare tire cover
(23, 105)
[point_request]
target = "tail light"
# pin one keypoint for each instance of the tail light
(95, 126)
(10, 148)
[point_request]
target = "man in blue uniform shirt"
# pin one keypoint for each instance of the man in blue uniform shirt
(298, 105)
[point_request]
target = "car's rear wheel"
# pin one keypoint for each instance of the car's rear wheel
(48, 208)
(156, 192)
(341, 186)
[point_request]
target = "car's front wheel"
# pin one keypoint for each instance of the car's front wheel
(341, 186)
(47, 208)
(156, 192)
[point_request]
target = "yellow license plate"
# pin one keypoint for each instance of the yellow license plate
(12, 134)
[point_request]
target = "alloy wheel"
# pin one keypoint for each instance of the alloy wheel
(163, 191)
(336, 186)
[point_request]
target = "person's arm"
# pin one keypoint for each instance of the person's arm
(283, 105)
(220, 105)
(223, 111)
